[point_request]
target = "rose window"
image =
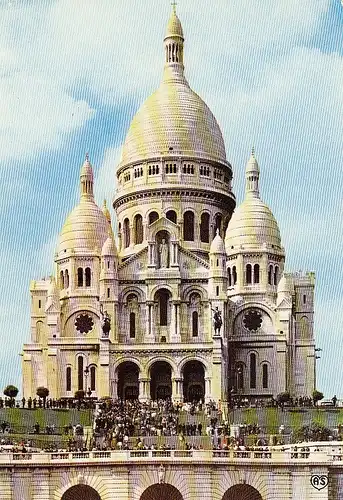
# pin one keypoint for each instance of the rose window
(84, 323)
(252, 320)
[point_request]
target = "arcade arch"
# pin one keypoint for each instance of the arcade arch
(161, 380)
(242, 492)
(163, 491)
(193, 381)
(128, 380)
(81, 492)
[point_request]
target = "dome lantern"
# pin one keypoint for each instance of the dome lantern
(86, 180)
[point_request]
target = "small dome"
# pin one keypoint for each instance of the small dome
(109, 248)
(217, 245)
(85, 229)
(174, 27)
(86, 168)
(284, 285)
(252, 225)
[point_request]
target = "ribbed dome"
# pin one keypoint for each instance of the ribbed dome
(217, 245)
(251, 225)
(85, 229)
(173, 117)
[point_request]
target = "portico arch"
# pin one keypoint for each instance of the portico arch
(128, 380)
(242, 492)
(193, 381)
(161, 380)
(163, 491)
(81, 492)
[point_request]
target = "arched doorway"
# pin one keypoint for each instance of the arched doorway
(161, 492)
(128, 384)
(242, 492)
(81, 492)
(161, 384)
(193, 381)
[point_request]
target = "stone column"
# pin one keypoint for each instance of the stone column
(177, 389)
(151, 261)
(150, 305)
(240, 273)
(132, 235)
(208, 395)
(175, 322)
(114, 388)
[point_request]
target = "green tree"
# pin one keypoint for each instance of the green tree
(42, 392)
(11, 392)
(317, 396)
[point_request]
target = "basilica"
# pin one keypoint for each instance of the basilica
(187, 296)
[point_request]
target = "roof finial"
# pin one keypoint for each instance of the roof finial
(87, 157)
(174, 4)
(253, 150)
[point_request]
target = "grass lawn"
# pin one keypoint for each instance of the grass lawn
(22, 420)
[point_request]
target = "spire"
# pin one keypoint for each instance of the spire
(252, 174)
(86, 180)
(173, 48)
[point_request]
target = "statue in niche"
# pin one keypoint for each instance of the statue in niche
(163, 250)
(105, 322)
(217, 320)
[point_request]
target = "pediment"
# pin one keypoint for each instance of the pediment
(285, 304)
(191, 265)
(51, 307)
(163, 224)
(134, 265)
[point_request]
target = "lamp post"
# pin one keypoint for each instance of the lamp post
(86, 376)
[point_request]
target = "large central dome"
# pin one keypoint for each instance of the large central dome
(174, 119)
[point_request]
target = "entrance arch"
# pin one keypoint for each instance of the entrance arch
(193, 381)
(81, 492)
(128, 383)
(242, 492)
(161, 383)
(161, 491)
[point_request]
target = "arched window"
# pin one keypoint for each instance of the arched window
(80, 276)
(88, 276)
(188, 226)
(163, 303)
(234, 275)
(270, 275)
(248, 274)
(62, 280)
(153, 216)
(205, 228)
(68, 379)
(304, 299)
(126, 230)
(276, 275)
(252, 371)
(171, 215)
(132, 325)
(218, 224)
(195, 323)
(256, 273)
(138, 229)
(80, 372)
(92, 374)
(66, 278)
(265, 376)
(229, 276)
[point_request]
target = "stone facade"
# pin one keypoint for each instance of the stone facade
(132, 315)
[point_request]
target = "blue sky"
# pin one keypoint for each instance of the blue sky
(72, 75)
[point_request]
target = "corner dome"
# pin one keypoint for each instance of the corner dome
(217, 245)
(252, 224)
(86, 228)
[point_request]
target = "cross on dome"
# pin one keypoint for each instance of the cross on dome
(174, 4)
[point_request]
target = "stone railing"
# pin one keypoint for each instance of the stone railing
(276, 456)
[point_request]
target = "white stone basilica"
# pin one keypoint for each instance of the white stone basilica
(135, 317)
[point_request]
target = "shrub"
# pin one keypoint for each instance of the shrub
(42, 392)
(317, 396)
(11, 391)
